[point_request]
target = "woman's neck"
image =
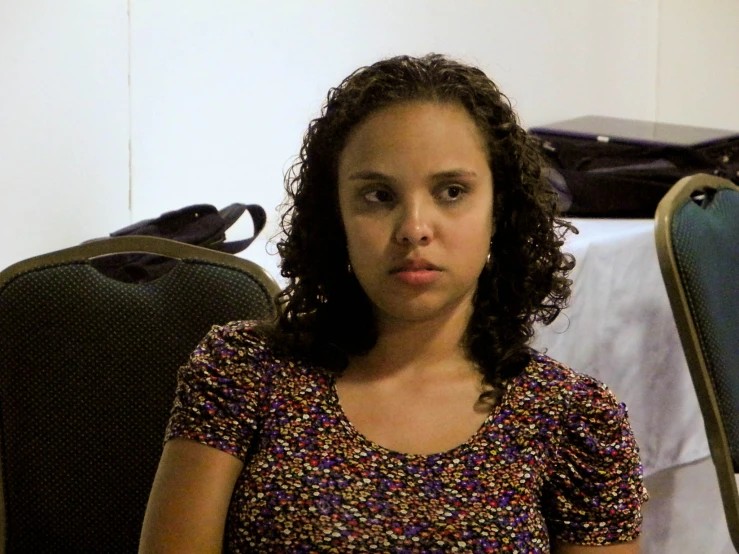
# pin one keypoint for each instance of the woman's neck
(435, 345)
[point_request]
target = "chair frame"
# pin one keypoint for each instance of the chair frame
(128, 245)
(144, 245)
(678, 196)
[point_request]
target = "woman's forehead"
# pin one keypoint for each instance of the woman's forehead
(417, 132)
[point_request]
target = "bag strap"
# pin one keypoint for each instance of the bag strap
(233, 212)
(201, 225)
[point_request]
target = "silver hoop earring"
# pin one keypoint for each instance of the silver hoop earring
(349, 269)
(487, 261)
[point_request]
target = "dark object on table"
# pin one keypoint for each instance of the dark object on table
(608, 167)
(697, 234)
(87, 380)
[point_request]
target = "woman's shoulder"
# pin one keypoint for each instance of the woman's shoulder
(236, 346)
(559, 388)
(594, 483)
(236, 340)
(546, 370)
(582, 414)
(253, 344)
(243, 333)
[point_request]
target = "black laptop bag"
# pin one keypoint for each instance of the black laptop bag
(612, 179)
(199, 224)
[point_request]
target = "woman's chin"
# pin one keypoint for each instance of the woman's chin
(421, 309)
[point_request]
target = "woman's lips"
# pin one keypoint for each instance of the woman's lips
(417, 277)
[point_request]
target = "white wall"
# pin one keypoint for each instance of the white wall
(222, 90)
(699, 63)
(63, 124)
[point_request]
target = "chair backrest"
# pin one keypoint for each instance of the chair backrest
(87, 379)
(697, 234)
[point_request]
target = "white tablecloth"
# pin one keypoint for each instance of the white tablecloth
(619, 329)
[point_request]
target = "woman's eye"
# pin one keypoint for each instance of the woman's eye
(378, 196)
(452, 193)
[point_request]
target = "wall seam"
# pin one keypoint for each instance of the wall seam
(658, 61)
(130, 117)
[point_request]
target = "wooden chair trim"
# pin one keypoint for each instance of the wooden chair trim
(145, 245)
(676, 198)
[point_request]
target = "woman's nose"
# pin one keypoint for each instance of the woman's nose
(414, 227)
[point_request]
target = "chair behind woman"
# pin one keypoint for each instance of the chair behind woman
(87, 376)
(697, 236)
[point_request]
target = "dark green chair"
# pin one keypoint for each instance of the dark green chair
(87, 379)
(697, 233)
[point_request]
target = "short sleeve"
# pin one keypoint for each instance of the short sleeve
(219, 389)
(594, 489)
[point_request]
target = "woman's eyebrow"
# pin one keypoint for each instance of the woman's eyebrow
(453, 173)
(370, 175)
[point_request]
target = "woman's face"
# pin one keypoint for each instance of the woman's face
(416, 200)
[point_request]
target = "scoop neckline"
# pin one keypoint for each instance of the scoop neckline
(371, 445)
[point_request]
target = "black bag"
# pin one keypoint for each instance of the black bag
(200, 224)
(612, 179)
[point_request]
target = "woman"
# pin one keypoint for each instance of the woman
(395, 406)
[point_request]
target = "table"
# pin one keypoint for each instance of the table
(619, 329)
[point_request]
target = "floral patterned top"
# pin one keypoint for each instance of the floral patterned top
(555, 460)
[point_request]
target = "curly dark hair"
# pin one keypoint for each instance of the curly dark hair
(325, 312)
